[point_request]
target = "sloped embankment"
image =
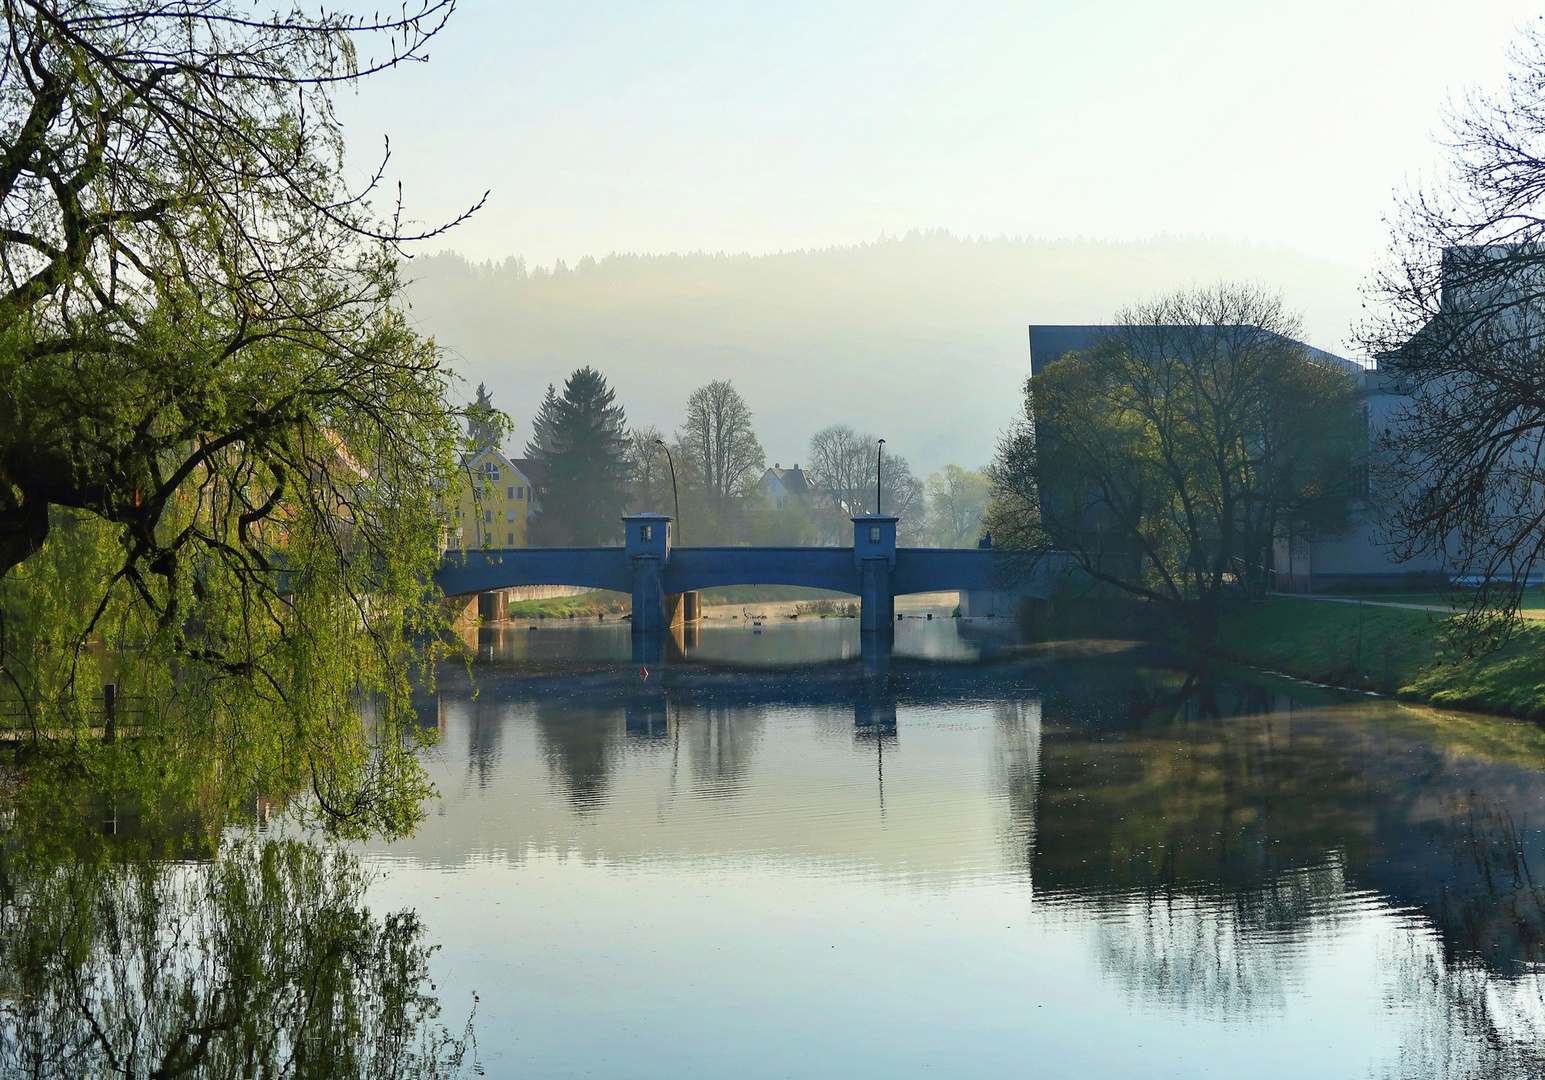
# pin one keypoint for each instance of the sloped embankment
(1400, 652)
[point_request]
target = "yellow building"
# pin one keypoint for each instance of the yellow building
(496, 504)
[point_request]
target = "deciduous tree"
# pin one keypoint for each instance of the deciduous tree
(1460, 328)
(209, 395)
(720, 443)
(1166, 459)
(957, 502)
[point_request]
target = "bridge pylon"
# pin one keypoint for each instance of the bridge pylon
(647, 544)
(874, 557)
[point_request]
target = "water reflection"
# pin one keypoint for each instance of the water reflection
(1221, 847)
(263, 962)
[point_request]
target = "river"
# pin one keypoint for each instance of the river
(770, 853)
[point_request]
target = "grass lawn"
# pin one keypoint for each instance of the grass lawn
(1395, 651)
(603, 602)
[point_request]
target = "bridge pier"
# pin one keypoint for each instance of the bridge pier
(683, 609)
(647, 543)
(874, 557)
(663, 582)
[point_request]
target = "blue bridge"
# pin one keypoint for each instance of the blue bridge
(653, 570)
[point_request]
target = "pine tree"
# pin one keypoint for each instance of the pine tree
(580, 439)
(482, 422)
(542, 426)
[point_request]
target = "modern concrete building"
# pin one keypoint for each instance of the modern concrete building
(1359, 557)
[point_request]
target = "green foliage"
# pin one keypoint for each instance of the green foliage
(262, 962)
(222, 448)
(1395, 651)
(1167, 458)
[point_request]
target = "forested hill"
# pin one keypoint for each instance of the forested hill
(920, 339)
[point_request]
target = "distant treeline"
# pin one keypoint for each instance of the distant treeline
(918, 339)
(589, 467)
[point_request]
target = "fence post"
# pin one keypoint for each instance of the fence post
(110, 710)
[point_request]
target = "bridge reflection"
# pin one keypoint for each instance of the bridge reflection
(1159, 796)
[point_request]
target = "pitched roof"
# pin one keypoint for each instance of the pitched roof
(794, 481)
(521, 466)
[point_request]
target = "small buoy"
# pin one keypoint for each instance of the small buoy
(643, 673)
(930, 616)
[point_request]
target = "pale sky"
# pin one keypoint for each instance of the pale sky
(761, 127)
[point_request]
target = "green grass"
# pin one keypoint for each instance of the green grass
(589, 605)
(768, 594)
(584, 606)
(1394, 651)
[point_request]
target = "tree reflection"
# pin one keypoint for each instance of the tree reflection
(1218, 956)
(263, 962)
(580, 745)
(1214, 829)
(720, 745)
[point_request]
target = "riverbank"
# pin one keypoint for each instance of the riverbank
(1397, 651)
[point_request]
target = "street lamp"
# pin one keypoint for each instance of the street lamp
(675, 499)
(878, 450)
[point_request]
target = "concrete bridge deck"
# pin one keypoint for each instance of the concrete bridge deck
(650, 568)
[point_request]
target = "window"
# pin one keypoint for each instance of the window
(510, 540)
(488, 517)
(646, 533)
(509, 517)
(509, 492)
(874, 534)
(458, 513)
(520, 493)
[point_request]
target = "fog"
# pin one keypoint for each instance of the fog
(921, 339)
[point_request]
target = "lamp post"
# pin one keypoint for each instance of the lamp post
(878, 451)
(675, 499)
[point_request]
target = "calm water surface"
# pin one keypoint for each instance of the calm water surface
(775, 856)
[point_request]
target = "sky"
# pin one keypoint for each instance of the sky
(724, 126)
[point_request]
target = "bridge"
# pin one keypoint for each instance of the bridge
(650, 568)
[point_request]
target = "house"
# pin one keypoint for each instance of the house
(1358, 557)
(788, 488)
(496, 502)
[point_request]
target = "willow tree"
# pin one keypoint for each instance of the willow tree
(221, 444)
(1165, 459)
(265, 962)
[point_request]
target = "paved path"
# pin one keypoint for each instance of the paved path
(1444, 608)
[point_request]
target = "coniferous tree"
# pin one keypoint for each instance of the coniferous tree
(542, 426)
(581, 443)
(482, 421)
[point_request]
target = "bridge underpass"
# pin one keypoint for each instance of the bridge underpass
(652, 570)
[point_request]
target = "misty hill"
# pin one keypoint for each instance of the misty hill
(921, 339)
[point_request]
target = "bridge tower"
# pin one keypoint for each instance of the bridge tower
(874, 556)
(647, 544)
